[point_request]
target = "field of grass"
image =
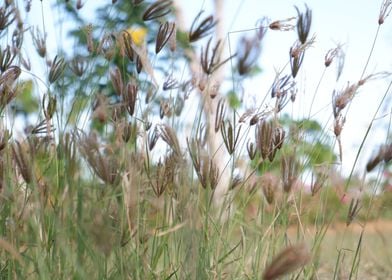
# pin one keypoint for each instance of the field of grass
(130, 167)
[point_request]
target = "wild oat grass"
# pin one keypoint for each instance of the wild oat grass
(135, 164)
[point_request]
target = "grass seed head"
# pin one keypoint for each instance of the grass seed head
(287, 261)
(203, 29)
(158, 9)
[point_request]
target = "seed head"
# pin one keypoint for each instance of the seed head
(165, 31)
(288, 260)
(303, 24)
(158, 9)
(203, 29)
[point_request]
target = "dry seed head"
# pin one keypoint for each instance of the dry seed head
(296, 58)
(56, 69)
(117, 81)
(104, 163)
(264, 138)
(127, 45)
(89, 38)
(230, 136)
(158, 9)
(211, 63)
(129, 97)
(283, 25)
(279, 135)
(385, 10)
(107, 46)
(251, 149)
(220, 114)
(203, 29)
(303, 24)
(153, 137)
(169, 136)
(269, 184)
(165, 109)
(23, 161)
(287, 261)
(7, 16)
(353, 210)
(281, 89)
(289, 172)
(170, 83)
(262, 27)
(78, 66)
(331, 54)
(50, 107)
(165, 32)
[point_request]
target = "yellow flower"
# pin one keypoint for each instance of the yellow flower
(138, 34)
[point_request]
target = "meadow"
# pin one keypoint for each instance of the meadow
(133, 155)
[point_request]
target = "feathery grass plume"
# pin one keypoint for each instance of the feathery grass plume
(104, 163)
(304, 23)
(220, 114)
(248, 52)
(230, 135)
(287, 261)
(39, 42)
(211, 64)
(129, 96)
(385, 10)
(170, 83)
(296, 59)
(56, 69)
(43, 127)
(203, 29)
(126, 131)
(290, 169)
(117, 81)
(283, 25)
(158, 9)
(169, 136)
(166, 30)
(78, 65)
(281, 89)
(264, 138)
(50, 107)
(6, 58)
(153, 137)
(206, 169)
(163, 174)
(23, 161)
(269, 185)
(353, 210)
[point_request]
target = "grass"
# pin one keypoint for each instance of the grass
(120, 179)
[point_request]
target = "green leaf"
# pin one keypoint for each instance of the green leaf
(234, 101)
(25, 102)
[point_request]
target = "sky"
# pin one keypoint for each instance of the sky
(352, 23)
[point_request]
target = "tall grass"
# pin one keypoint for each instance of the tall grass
(138, 166)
